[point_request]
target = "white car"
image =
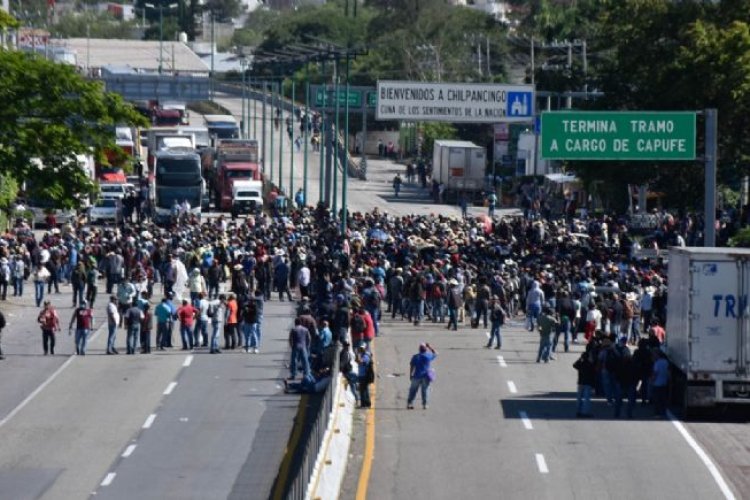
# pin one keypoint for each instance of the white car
(115, 189)
(105, 209)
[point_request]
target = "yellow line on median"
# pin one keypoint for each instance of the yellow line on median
(291, 448)
(364, 474)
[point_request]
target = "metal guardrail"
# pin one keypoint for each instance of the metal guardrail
(299, 485)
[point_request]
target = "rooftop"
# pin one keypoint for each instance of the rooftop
(137, 54)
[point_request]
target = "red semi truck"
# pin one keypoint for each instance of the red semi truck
(235, 159)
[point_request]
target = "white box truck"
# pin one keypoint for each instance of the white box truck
(708, 325)
(461, 166)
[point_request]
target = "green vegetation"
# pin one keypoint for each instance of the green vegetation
(50, 114)
(7, 21)
(95, 25)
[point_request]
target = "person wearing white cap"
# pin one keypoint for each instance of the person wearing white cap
(4, 278)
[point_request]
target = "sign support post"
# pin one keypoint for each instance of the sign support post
(709, 209)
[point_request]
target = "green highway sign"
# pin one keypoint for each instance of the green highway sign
(324, 97)
(618, 135)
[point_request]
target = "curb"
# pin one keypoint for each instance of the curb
(330, 465)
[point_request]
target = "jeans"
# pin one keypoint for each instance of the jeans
(146, 340)
(437, 310)
(396, 303)
(134, 334)
(231, 338)
(254, 337)
(247, 330)
(495, 334)
(545, 345)
(111, 334)
(213, 291)
(351, 379)
(201, 330)
(364, 393)
(532, 315)
(424, 385)
(619, 391)
(18, 287)
(584, 400)
(374, 313)
(299, 354)
(417, 310)
(564, 329)
(187, 336)
(39, 292)
(217, 327)
(54, 281)
(162, 335)
(82, 338)
(91, 291)
(452, 318)
(481, 313)
(48, 341)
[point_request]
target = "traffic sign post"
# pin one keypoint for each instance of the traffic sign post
(618, 135)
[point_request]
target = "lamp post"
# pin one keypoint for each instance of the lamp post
(243, 67)
(161, 29)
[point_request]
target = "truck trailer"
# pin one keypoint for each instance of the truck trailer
(460, 166)
(708, 325)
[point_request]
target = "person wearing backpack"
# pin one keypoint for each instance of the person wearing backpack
(421, 375)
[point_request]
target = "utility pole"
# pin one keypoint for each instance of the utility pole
(709, 209)
(532, 60)
(291, 146)
(307, 128)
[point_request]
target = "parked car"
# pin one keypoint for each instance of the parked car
(105, 209)
(115, 190)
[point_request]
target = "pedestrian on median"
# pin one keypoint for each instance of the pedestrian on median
(421, 375)
(83, 317)
(133, 319)
(113, 319)
(49, 321)
(547, 325)
(299, 342)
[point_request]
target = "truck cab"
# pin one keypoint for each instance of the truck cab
(247, 197)
(236, 160)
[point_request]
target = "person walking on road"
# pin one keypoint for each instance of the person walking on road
(83, 317)
(147, 324)
(113, 320)
(660, 384)
(164, 318)
(231, 333)
(497, 318)
(397, 184)
(49, 321)
(534, 301)
(421, 375)
(547, 325)
(40, 276)
(217, 312)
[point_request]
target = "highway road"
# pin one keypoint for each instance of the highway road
(165, 425)
(500, 425)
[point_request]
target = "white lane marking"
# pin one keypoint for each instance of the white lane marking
(723, 486)
(541, 464)
(501, 362)
(109, 478)
(488, 334)
(512, 387)
(149, 421)
(128, 451)
(188, 360)
(44, 384)
(525, 419)
(170, 388)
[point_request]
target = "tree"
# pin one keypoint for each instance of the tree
(95, 25)
(50, 115)
(7, 21)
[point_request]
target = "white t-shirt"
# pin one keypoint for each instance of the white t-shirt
(595, 315)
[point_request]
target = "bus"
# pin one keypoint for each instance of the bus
(177, 177)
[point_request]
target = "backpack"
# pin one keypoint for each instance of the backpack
(370, 371)
(211, 311)
(497, 315)
(372, 298)
(358, 324)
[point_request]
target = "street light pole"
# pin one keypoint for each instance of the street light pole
(161, 29)
(243, 121)
(291, 146)
(307, 128)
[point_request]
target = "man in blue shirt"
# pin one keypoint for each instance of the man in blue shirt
(421, 374)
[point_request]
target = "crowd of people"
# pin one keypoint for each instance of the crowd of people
(573, 280)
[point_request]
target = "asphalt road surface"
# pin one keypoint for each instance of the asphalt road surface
(500, 425)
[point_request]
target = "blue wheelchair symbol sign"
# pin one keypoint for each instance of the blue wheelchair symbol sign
(519, 104)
